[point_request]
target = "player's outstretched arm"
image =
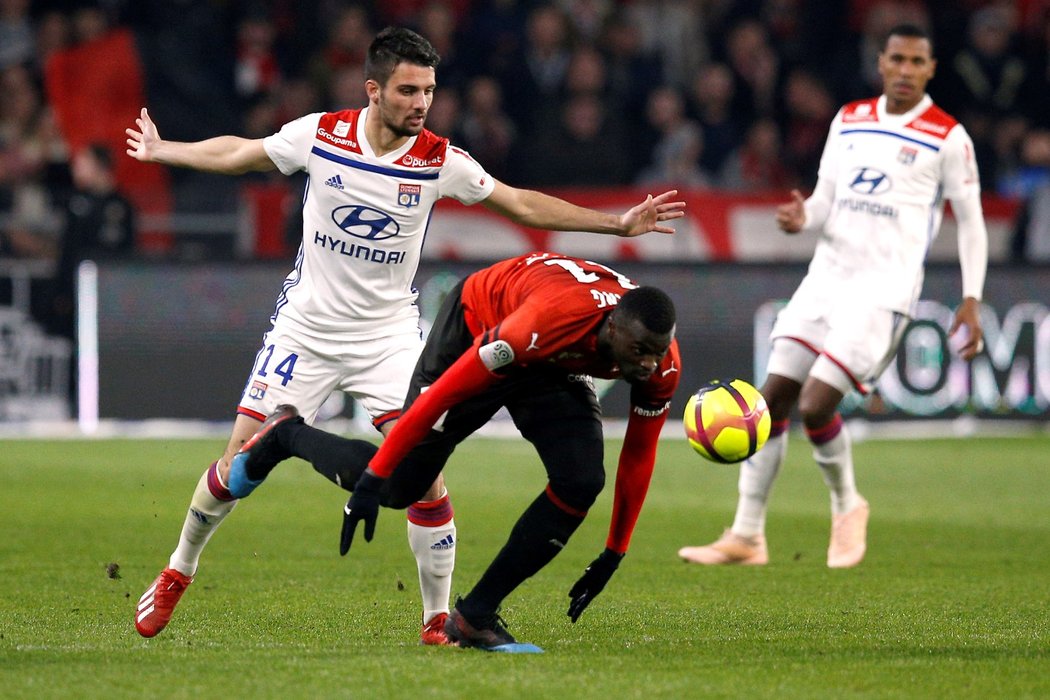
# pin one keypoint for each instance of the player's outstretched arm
(228, 155)
(538, 210)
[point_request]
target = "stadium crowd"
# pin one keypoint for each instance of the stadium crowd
(725, 94)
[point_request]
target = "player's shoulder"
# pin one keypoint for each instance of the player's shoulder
(935, 122)
(428, 151)
(859, 111)
(339, 129)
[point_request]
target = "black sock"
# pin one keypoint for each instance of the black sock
(540, 533)
(338, 459)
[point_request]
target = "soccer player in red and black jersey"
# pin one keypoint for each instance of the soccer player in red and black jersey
(528, 333)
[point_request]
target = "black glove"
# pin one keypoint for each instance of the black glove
(363, 505)
(592, 582)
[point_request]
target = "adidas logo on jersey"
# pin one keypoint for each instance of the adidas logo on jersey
(445, 542)
(335, 181)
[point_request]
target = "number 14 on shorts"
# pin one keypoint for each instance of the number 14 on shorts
(283, 367)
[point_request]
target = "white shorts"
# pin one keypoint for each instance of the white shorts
(304, 372)
(837, 337)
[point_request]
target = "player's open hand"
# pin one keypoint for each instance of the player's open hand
(647, 216)
(592, 582)
(791, 217)
(142, 141)
(363, 506)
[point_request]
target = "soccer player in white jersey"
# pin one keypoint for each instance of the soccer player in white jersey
(886, 166)
(346, 318)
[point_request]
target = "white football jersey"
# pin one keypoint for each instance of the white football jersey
(364, 221)
(891, 174)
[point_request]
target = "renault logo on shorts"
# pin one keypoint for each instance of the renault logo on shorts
(365, 222)
(869, 181)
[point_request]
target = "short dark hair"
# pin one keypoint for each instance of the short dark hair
(396, 45)
(651, 306)
(910, 31)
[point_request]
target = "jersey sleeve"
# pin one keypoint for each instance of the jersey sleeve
(289, 148)
(829, 158)
(959, 166)
(463, 178)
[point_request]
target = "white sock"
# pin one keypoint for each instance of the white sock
(203, 517)
(432, 537)
(756, 481)
(832, 449)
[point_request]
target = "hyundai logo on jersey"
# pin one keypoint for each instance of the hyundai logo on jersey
(869, 181)
(365, 222)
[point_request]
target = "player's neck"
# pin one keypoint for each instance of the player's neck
(901, 106)
(380, 138)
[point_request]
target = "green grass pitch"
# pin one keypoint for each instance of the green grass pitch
(953, 600)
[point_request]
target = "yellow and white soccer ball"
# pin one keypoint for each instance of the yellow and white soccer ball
(727, 420)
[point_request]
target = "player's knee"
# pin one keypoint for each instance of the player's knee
(580, 490)
(815, 411)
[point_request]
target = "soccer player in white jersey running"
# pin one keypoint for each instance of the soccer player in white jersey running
(887, 163)
(346, 317)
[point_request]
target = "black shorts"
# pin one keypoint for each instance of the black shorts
(556, 411)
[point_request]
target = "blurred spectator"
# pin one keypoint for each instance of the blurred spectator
(89, 23)
(53, 34)
(487, 132)
(295, 98)
(445, 115)
(437, 23)
(756, 68)
(496, 32)
(711, 103)
(675, 159)
(758, 165)
(809, 109)
(32, 157)
(407, 12)
(1032, 170)
(256, 70)
(346, 89)
(1037, 59)
(1031, 239)
(1004, 144)
(588, 17)
(629, 69)
(674, 31)
(988, 74)
(534, 77)
(345, 46)
(99, 224)
(581, 151)
(16, 33)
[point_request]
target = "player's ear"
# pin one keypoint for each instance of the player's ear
(372, 89)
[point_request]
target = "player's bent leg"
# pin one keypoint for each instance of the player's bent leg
(254, 461)
(210, 505)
